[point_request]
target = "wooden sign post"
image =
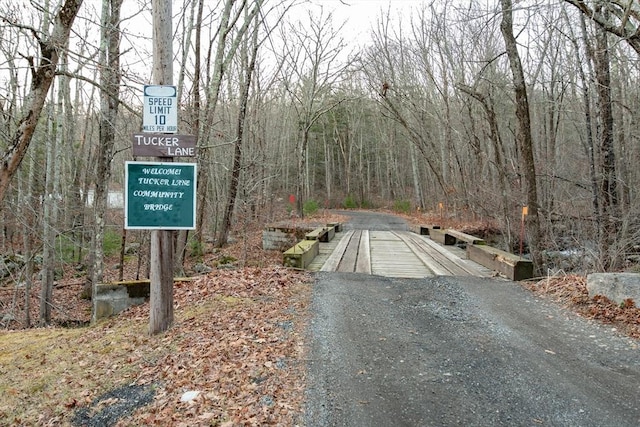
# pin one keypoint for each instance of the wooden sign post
(161, 271)
(525, 212)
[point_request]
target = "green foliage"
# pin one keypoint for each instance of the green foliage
(349, 202)
(403, 206)
(226, 260)
(67, 248)
(111, 242)
(635, 268)
(195, 248)
(310, 207)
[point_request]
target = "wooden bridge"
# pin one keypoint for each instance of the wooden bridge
(393, 254)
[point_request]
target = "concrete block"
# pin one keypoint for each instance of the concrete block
(615, 286)
(112, 298)
(277, 239)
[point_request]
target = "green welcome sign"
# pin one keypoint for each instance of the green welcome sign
(160, 196)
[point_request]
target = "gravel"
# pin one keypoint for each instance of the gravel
(446, 351)
(109, 408)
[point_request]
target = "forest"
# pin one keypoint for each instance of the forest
(473, 109)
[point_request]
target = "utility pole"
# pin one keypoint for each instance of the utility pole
(161, 271)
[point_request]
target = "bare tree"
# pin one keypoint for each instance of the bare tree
(217, 65)
(312, 53)
(249, 57)
(523, 133)
(619, 17)
(609, 214)
(109, 102)
(41, 78)
(400, 74)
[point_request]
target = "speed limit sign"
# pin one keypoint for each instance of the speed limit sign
(160, 113)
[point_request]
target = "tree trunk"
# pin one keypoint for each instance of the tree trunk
(498, 156)
(49, 218)
(524, 139)
(608, 218)
(29, 221)
(162, 254)
(237, 155)
(415, 173)
(109, 101)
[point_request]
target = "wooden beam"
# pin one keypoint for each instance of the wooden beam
(464, 237)
(334, 259)
(441, 237)
(363, 265)
(348, 263)
(511, 266)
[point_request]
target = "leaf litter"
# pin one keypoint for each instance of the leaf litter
(236, 349)
(571, 291)
(237, 339)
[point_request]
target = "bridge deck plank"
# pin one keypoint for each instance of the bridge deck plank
(348, 262)
(395, 254)
(334, 259)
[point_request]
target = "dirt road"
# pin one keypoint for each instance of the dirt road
(445, 351)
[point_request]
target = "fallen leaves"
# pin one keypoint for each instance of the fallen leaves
(237, 341)
(571, 290)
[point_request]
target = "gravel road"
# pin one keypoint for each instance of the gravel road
(447, 351)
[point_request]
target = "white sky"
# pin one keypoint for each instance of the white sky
(358, 16)
(361, 15)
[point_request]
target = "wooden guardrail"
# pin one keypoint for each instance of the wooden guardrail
(301, 254)
(337, 226)
(446, 236)
(323, 234)
(510, 265)
(442, 237)
(424, 230)
(464, 237)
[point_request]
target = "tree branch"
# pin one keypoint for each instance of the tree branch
(623, 10)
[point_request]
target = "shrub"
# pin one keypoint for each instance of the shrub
(195, 248)
(349, 202)
(402, 206)
(111, 242)
(310, 207)
(65, 247)
(366, 204)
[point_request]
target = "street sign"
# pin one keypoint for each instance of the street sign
(160, 110)
(162, 145)
(160, 196)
